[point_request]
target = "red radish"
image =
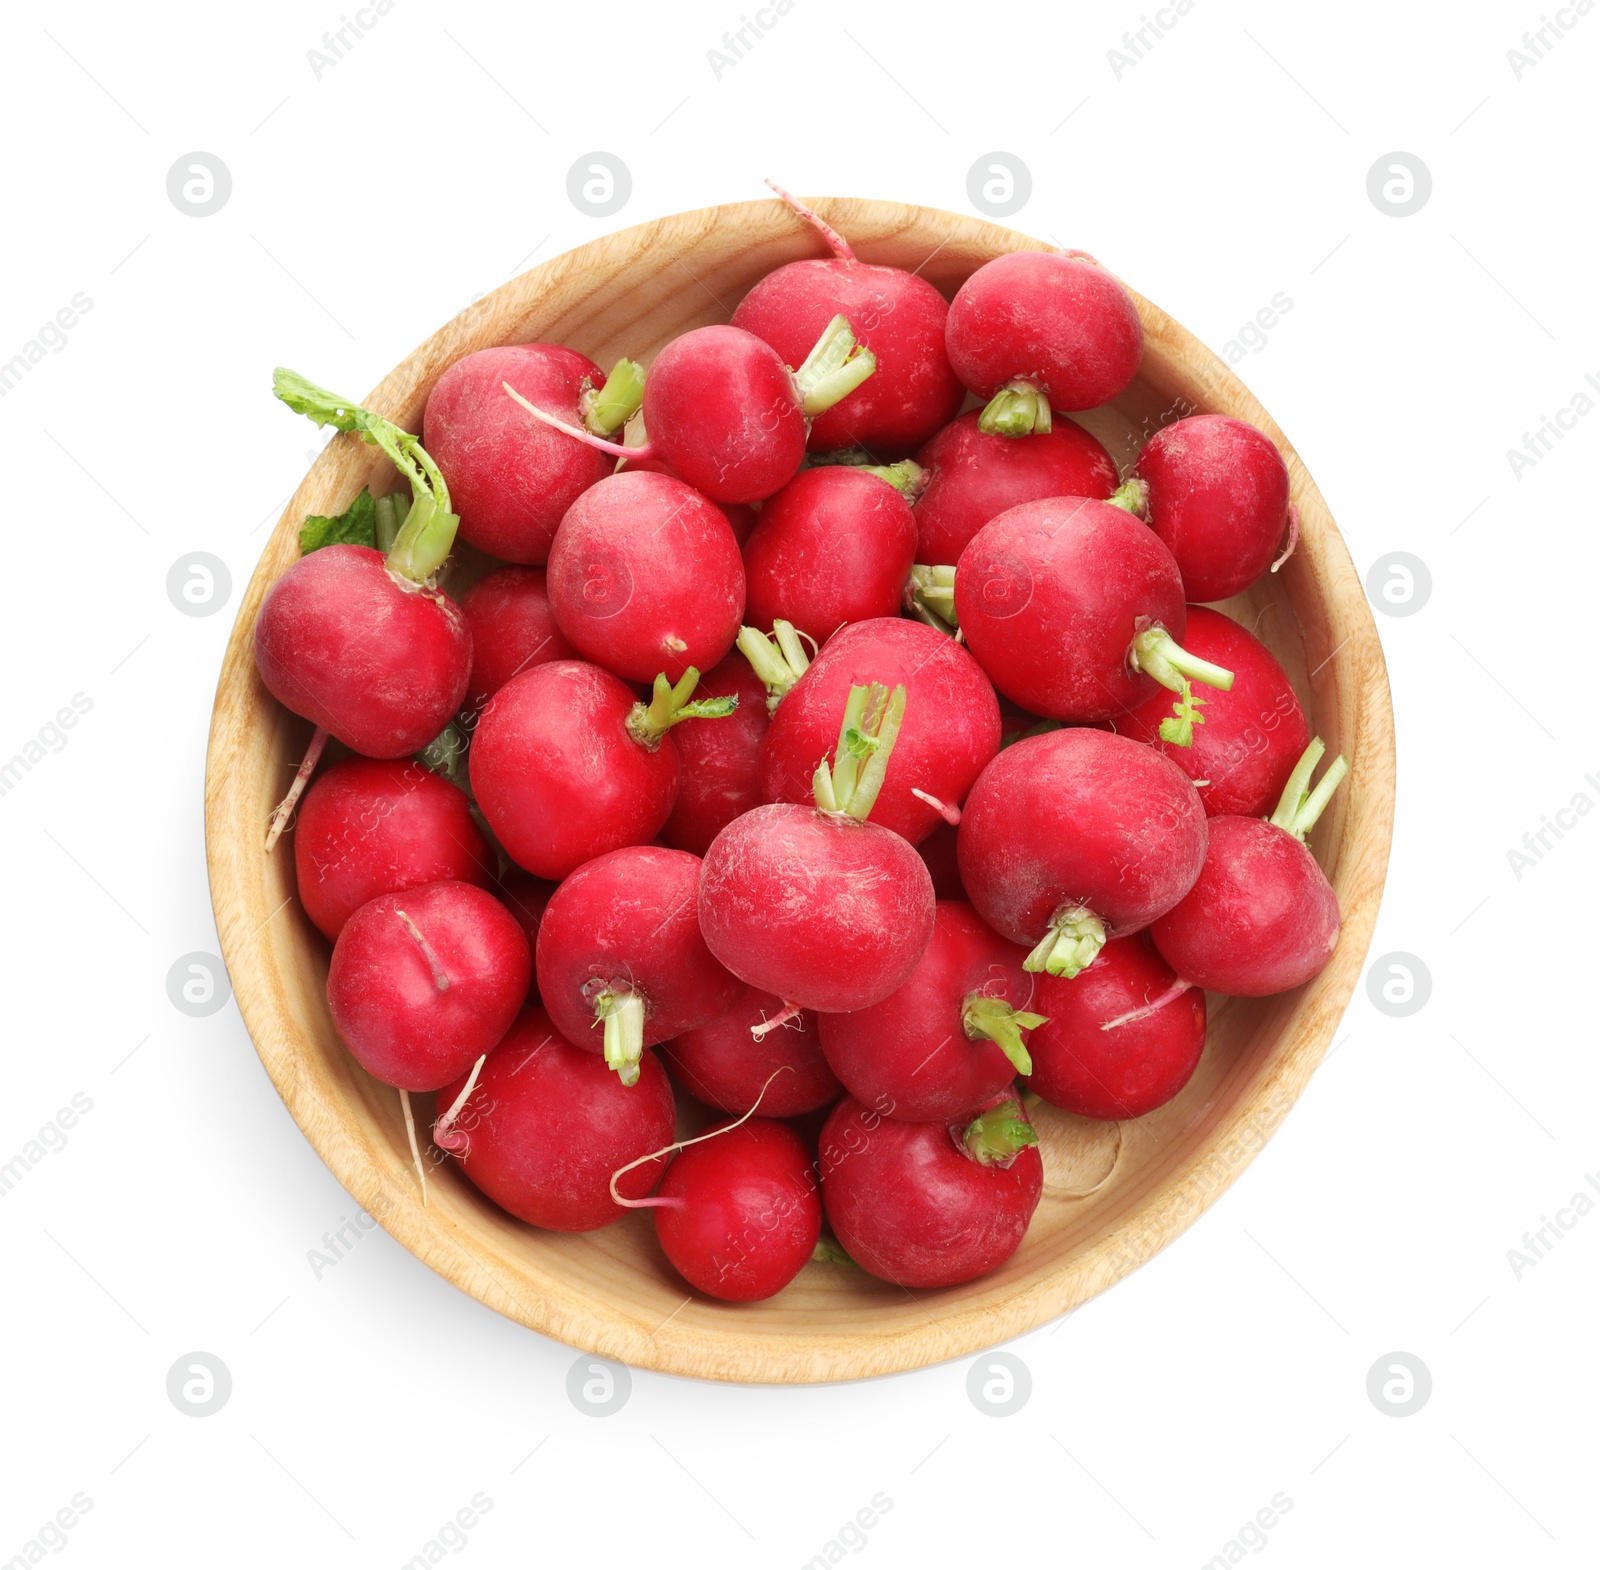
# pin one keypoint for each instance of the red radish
(1261, 917)
(620, 946)
(359, 643)
(1075, 609)
(1076, 832)
(645, 576)
(721, 758)
(741, 516)
(948, 1040)
(1217, 493)
(527, 899)
(738, 1212)
(927, 1204)
(1033, 331)
(512, 629)
(835, 545)
(1122, 1038)
(727, 1065)
(423, 982)
(547, 1124)
(973, 476)
(728, 415)
(1247, 739)
(815, 904)
(899, 317)
(952, 724)
(938, 852)
(567, 764)
(514, 481)
(371, 827)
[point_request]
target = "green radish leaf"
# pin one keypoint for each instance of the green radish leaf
(356, 525)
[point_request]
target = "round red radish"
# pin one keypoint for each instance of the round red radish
(898, 316)
(950, 1038)
(1247, 739)
(1052, 596)
(1075, 832)
(911, 1205)
(1133, 1067)
(724, 1064)
(1260, 918)
(620, 946)
(379, 662)
(369, 827)
(564, 769)
(1218, 496)
(820, 909)
(972, 476)
(721, 775)
(547, 1125)
(1057, 325)
(951, 729)
(738, 1212)
(512, 629)
(741, 516)
(645, 576)
(526, 898)
(422, 983)
(512, 479)
(835, 545)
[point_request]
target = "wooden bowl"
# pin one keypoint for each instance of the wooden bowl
(611, 1292)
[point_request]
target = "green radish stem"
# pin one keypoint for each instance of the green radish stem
(446, 755)
(828, 1252)
(622, 1013)
(1157, 653)
(997, 1137)
(1018, 409)
(422, 543)
(872, 717)
(1299, 807)
(780, 667)
(909, 478)
(1132, 496)
(931, 596)
(608, 408)
(389, 516)
(669, 705)
(837, 365)
(1003, 1025)
(1072, 944)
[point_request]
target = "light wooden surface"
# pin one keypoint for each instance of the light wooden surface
(611, 1292)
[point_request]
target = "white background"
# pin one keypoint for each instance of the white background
(369, 206)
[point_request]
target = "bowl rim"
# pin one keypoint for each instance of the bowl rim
(540, 1298)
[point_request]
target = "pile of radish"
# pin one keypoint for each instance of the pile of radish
(761, 734)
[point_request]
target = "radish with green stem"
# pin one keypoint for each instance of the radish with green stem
(1072, 835)
(621, 963)
(833, 546)
(1261, 917)
(929, 1204)
(645, 576)
(721, 758)
(951, 730)
(816, 904)
(972, 476)
(1033, 331)
(567, 764)
(951, 1037)
(547, 1124)
(514, 480)
(1076, 610)
(1122, 1038)
(360, 643)
(899, 317)
(735, 1060)
(369, 827)
(727, 414)
(425, 981)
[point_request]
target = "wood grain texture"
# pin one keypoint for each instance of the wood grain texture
(611, 1292)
